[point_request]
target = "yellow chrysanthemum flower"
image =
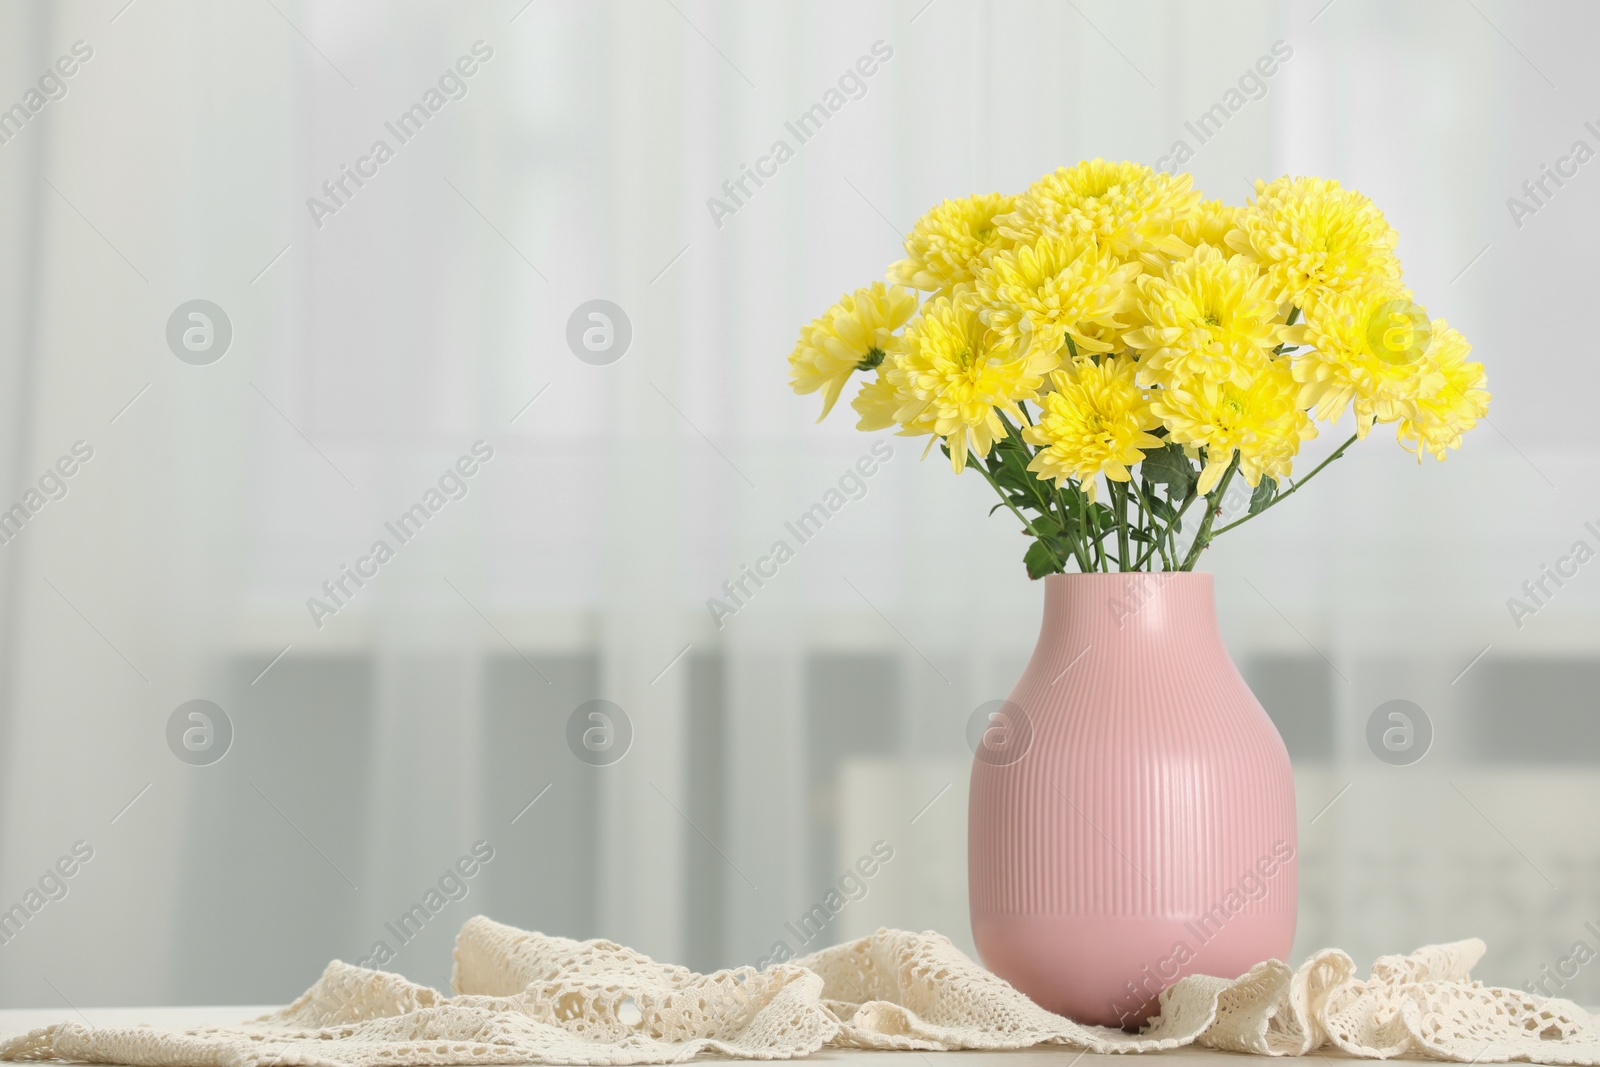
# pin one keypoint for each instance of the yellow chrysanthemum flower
(1456, 406)
(952, 242)
(1210, 315)
(1262, 421)
(1208, 223)
(855, 334)
(880, 400)
(956, 377)
(1095, 420)
(1368, 351)
(1055, 287)
(1127, 207)
(1316, 239)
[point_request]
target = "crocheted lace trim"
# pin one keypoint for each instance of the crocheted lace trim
(524, 997)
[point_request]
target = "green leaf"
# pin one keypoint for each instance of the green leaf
(1168, 466)
(1009, 468)
(1158, 507)
(1265, 493)
(1072, 497)
(1040, 561)
(1014, 477)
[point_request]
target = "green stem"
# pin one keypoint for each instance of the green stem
(1170, 533)
(1139, 563)
(1183, 509)
(1203, 536)
(1079, 544)
(1119, 501)
(1074, 536)
(1291, 490)
(1043, 491)
(1157, 534)
(1140, 519)
(1099, 537)
(978, 462)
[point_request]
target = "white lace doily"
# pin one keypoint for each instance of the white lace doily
(529, 998)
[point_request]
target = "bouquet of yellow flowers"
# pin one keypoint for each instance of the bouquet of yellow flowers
(1110, 325)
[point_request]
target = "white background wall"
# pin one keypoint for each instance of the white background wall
(824, 716)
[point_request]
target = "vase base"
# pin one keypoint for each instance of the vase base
(1106, 970)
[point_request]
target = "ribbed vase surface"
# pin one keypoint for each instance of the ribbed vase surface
(1132, 812)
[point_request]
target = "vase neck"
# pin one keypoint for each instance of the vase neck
(1133, 608)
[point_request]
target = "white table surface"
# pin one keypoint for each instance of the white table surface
(20, 1020)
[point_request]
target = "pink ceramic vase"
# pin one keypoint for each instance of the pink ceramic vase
(1132, 811)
